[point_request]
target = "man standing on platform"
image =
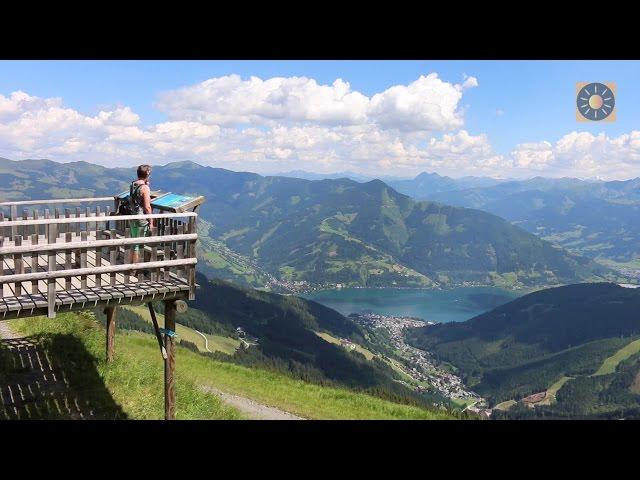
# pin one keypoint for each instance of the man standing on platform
(140, 202)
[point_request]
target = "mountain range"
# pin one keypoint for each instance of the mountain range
(342, 231)
(594, 218)
(332, 231)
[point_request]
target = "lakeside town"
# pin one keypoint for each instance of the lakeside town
(417, 363)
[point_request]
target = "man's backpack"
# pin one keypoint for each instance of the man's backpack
(133, 205)
(124, 209)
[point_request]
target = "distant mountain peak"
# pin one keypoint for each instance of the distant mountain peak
(428, 175)
(184, 164)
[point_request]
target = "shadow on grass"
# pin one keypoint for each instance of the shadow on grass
(52, 377)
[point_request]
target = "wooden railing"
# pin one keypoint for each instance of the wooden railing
(90, 249)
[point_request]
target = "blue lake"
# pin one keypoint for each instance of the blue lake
(454, 305)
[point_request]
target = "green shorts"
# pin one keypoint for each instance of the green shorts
(138, 231)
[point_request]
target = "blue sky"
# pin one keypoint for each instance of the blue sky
(536, 98)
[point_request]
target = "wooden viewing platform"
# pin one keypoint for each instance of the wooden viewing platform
(68, 258)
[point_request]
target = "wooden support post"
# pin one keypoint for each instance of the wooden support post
(110, 312)
(170, 362)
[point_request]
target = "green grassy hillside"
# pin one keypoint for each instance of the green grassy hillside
(527, 345)
(132, 386)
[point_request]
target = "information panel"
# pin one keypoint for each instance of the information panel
(169, 202)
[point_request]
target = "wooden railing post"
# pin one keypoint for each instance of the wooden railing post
(128, 255)
(170, 362)
(153, 257)
(1, 269)
(14, 216)
(116, 205)
(18, 266)
(83, 260)
(34, 262)
(67, 229)
(77, 224)
(181, 272)
(113, 259)
(36, 215)
(25, 228)
(167, 256)
(52, 235)
(191, 253)
(98, 279)
(67, 260)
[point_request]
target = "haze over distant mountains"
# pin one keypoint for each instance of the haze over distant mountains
(414, 186)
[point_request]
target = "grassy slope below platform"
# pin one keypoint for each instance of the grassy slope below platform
(134, 380)
(131, 386)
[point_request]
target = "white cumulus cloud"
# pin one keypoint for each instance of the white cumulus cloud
(428, 103)
(581, 154)
(281, 124)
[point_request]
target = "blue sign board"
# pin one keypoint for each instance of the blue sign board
(171, 200)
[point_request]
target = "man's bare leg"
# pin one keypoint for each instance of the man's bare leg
(134, 259)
